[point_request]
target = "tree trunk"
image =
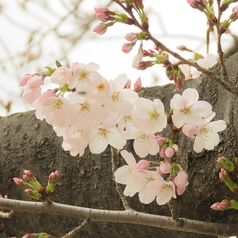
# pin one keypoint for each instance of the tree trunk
(28, 143)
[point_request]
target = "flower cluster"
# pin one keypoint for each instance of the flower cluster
(150, 184)
(194, 116)
(86, 109)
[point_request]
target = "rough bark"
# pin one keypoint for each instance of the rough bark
(27, 143)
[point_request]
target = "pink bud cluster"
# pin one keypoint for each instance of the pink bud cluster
(109, 18)
(34, 188)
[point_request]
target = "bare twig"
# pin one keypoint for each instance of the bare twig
(75, 230)
(118, 187)
(226, 84)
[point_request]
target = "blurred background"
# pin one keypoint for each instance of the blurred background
(35, 33)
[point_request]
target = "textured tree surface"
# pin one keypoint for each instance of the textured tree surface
(27, 143)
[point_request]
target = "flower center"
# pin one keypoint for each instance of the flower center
(142, 137)
(57, 106)
(117, 96)
(84, 76)
(101, 87)
(206, 130)
(152, 115)
(187, 110)
(77, 132)
(103, 133)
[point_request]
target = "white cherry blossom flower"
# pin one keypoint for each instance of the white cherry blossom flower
(207, 137)
(149, 115)
(103, 135)
(162, 190)
(187, 108)
(119, 98)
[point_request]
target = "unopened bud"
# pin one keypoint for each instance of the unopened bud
(226, 164)
(54, 177)
(223, 205)
(138, 85)
(20, 182)
(33, 194)
(128, 83)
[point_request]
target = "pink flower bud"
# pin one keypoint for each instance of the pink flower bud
(169, 152)
(131, 36)
(165, 167)
(159, 171)
(36, 81)
(223, 205)
(181, 47)
(54, 177)
(143, 164)
(126, 47)
(234, 15)
(128, 84)
(104, 17)
(181, 181)
(20, 182)
(29, 173)
(29, 236)
(223, 175)
(25, 79)
(162, 154)
(101, 10)
(138, 85)
(100, 29)
(190, 130)
(160, 140)
(198, 4)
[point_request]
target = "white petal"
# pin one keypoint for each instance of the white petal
(219, 125)
(198, 143)
(122, 174)
(129, 158)
(146, 197)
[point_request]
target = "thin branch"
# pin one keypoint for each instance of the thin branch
(227, 85)
(219, 47)
(128, 216)
(75, 230)
(118, 187)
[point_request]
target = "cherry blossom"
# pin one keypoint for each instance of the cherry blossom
(75, 140)
(207, 137)
(61, 76)
(149, 115)
(54, 110)
(138, 182)
(162, 190)
(82, 75)
(103, 135)
(119, 98)
(187, 108)
(123, 174)
(144, 143)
